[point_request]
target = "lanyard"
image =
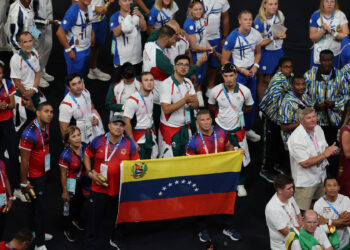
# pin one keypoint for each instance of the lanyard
(331, 22)
(228, 98)
(2, 178)
(333, 208)
(27, 62)
(144, 102)
(314, 141)
(205, 145)
(199, 30)
(41, 135)
(115, 148)
(8, 244)
(166, 18)
(178, 88)
(5, 86)
(79, 107)
(83, 25)
(290, 217)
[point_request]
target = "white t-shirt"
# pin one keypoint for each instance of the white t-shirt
(160, 18)
(171, 93)
(319, 235)
(229, 118)
(243, 47)
(334, 22)
(123, 91)
(197, 28)
(301, 148)
(135, 106)
(213, 10)
(78, 108)
(21, 70)
(278, 216)
(265, 28)
(341, 204)
(180, 48)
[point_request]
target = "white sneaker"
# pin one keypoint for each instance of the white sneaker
(47, 77)
(98, 74)
(43, 83)
(200, 99)
(252, 136)
(241, 191)
(43, 247)
(6, 154)
(19, 195)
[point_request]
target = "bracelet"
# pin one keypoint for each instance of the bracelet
(35, 89)
(70, 48)
(12, 198)
(256, 65)
(24, 185)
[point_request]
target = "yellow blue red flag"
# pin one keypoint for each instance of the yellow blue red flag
(178, 187)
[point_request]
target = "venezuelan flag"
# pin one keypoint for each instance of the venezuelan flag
(178, 187)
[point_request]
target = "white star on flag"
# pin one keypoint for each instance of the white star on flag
(196, 190)
(194, 185)
(170, 184)
(176, 182)
(189, 182)
(164, 188)
(160, 193)
(183, 181)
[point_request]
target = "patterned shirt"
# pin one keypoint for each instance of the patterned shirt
(72, 162)
(6, 90)
(346, 72)
(125, 151)
(336, 91)
(289, 112)
(195, 145)
(278, 87)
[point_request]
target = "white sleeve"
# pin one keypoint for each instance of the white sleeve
(346, 205)
(322, 237)
(249, 101)
(318, 207)
(65, 113)
(225, 7)
(343, 19)
(212, 96)
(130, 108)
(175, 7)
(15, 69)
(259, 38)
(296, 245)
(298, 151)
(281, 17)
(192, 91)
(275, 218)
(165, 92)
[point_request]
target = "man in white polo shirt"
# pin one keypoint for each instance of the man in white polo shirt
(178, 99)
(233, 101)
(76, 36)
(77, 106)
(138, 111)
(309, 151)
(282, 212)
(334, 209)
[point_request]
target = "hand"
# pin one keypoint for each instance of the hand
(320, 106)
(192, 99)
(71, 55)
(3, 105)
(93, 176)
(28, 93)
(322, 220)
(28, 104)
(137, 147)
(331, 150)
(101, 10)
(283, 36)
(54, 22)
(253, 71)
(242, 150)
(329, 104)
(26, 189)
(65, 196)
(202, 60)
(92, 44)
(136, 12)
(245, 72)
(326, 28)
(223, 42)
(94, 121)
(193, 79)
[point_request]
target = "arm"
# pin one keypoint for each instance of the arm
(109, 101)
(345, 139)
(344, 32)
(63, 127)
(8, 192)
(316, 34)
(91, 173)
(61, 35)
(248, 109)
(10, 106)
(25, 155)
(229, 147)
(289, 127)
(284, 231)
(19, 85)
(194, 46)
(128, 129)
(142, 22)
(170, 108)
(225, 57)
(117, 31)
(331, 150)
(65, 194)
(142, 6)
(225, 24)
(340, 222)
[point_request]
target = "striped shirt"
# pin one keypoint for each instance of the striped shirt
(289, 112)
(278, 87)
(331, 87)
(346, 72)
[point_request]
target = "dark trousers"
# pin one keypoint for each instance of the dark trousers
(10, 140)
(97, 208)
(75, 207)
(2, 224)
(202, 222)
(273, 149)
(39, 208)
(330, 132)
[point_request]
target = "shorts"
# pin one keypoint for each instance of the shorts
(212, 60)
(269, 60)
(100, 31)
(80, 64)
(304, 195)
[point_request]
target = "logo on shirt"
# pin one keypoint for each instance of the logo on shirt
(64, 21)
(139, 170)
(123, 151)
(326, 210)
(221, 140)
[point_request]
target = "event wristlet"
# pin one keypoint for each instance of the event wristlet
(256, 65)
(24, 185)
(69, 49)
(35, 89)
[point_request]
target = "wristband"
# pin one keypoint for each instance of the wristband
(329, 222)
(256, 65)
(24, 185)
(69, 49)
(334, 34)
(12, 198)
(35, 89)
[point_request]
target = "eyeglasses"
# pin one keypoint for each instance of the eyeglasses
(312, 222)
(182, 65)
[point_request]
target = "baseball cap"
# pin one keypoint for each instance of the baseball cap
(117, 118)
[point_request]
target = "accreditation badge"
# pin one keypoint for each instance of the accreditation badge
(35, 32)
(241, 119)
(104, 170)
(47, 162)
(71, 185)
(3, 200)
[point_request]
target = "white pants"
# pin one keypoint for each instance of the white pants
(44, 45)
(4, 4)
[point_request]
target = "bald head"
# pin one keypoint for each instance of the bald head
(175, 25)
(311, 221)
(310, 214)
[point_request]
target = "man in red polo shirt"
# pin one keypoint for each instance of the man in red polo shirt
(108, 152)
(21, 241)
(35, 164)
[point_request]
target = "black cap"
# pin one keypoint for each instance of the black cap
(117, 118)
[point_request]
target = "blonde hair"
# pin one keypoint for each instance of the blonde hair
(305, 111)
(191, 5)
(68, 132)
(243, 12)
(336, 7)
(159, 4)
(262, 12)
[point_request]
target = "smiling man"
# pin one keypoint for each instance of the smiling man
(309, 151)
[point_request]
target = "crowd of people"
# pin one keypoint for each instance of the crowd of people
(162, 99)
